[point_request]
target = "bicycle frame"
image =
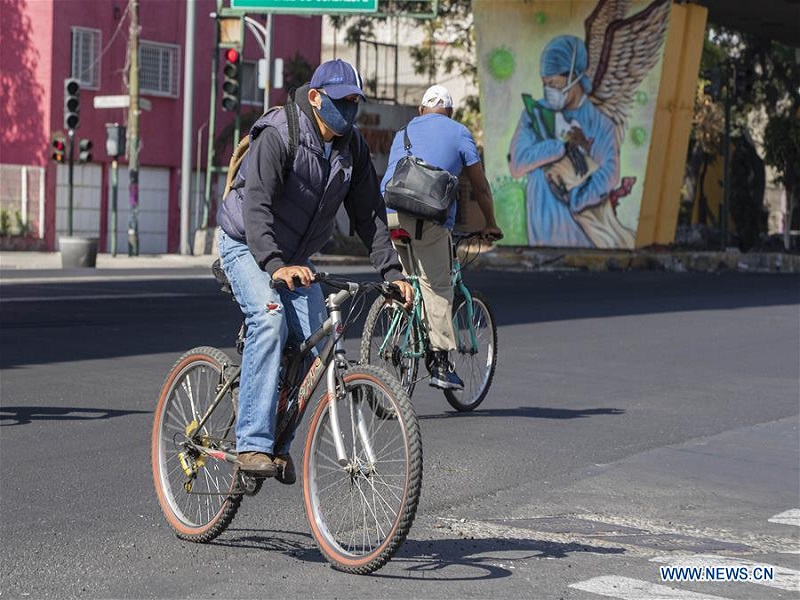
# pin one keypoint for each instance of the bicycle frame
(458, 285)
(330, 362)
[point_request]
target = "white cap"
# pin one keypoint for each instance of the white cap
(437, 96)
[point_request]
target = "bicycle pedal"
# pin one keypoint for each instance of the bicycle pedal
(247, 483)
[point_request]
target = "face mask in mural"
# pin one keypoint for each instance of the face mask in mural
(556, 98)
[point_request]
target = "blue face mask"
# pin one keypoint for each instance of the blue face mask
(338, 115)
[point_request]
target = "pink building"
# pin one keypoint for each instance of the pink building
(46, 41)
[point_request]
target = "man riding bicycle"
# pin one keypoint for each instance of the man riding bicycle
(447, 144)
(274, 219)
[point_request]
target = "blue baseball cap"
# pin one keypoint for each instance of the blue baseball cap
(338, 78)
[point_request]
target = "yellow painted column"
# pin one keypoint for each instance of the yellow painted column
(672, 124)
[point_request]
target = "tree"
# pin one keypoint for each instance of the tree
(763, 76)
(448, 47)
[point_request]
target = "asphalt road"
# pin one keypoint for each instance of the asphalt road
(637, 420)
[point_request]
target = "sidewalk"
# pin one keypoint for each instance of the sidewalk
(502, 258)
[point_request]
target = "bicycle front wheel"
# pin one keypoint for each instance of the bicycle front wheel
(194, 490)
(390, 340)
(361, 511)
(475, 357)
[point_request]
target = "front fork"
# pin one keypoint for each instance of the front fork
(336, 392)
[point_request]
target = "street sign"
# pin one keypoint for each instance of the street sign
(306, 6)
(119, 102)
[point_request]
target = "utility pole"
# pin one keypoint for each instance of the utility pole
(70, 171)
(133, 130)
(186, 146)
(212, 119)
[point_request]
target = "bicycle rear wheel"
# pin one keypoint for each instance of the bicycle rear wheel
(361, 512)
(388, 343)
(475, 362)
(195, 491)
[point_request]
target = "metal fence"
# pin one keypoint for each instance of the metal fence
(22, 200)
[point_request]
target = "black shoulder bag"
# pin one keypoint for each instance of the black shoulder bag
(419, 189)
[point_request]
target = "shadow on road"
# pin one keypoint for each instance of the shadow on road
(457, 559)
(23, 415)
(474, 559)
(534, 412)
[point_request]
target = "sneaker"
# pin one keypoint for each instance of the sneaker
(286, 473)
(443, 375)
(257, 463)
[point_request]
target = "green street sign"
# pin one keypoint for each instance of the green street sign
(306, 6)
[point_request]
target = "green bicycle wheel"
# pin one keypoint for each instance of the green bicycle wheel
(475, 359)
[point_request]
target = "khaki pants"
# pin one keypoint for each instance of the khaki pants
(431, 259)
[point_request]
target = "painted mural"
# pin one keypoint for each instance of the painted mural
(568, 94)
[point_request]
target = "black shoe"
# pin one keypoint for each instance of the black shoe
(286, 473)
(443, 375)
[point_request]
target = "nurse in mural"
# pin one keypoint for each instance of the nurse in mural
(568, 143)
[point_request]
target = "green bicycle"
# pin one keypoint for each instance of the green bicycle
(396, 339)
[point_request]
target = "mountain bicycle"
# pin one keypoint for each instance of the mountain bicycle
(396, 338)
(361, 472)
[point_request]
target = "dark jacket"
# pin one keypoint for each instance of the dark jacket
(287, 214)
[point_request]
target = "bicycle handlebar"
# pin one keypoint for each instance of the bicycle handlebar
(388, 290)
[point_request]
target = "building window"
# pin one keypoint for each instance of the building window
(158, 69)
(251, 93)
(86, 57)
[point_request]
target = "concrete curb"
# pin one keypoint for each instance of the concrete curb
(676, 261)
(502, 258)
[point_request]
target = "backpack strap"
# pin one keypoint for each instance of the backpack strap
(294, 129)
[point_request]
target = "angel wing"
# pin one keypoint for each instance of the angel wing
(630, 49)
(596, 25)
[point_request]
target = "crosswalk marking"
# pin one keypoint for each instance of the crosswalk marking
(634, 589)
(785, 579)
(789, 517)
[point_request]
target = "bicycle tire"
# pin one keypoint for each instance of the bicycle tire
(474, 367)
(204, 511)
(394, 358)
(346, 539)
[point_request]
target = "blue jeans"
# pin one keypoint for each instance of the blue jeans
(273, 317)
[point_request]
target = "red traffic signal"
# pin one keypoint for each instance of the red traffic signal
(59, 150)
(230, 82)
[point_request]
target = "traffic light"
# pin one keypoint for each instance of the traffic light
(230, 84)
(115, 139)
(85, 151)
(72, 103)
(59, 150)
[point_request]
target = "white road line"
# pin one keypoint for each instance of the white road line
(785, 579)
(634, 589)
(789, 517)
(97, 297)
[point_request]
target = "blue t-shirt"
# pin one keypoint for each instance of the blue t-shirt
(440, 141)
